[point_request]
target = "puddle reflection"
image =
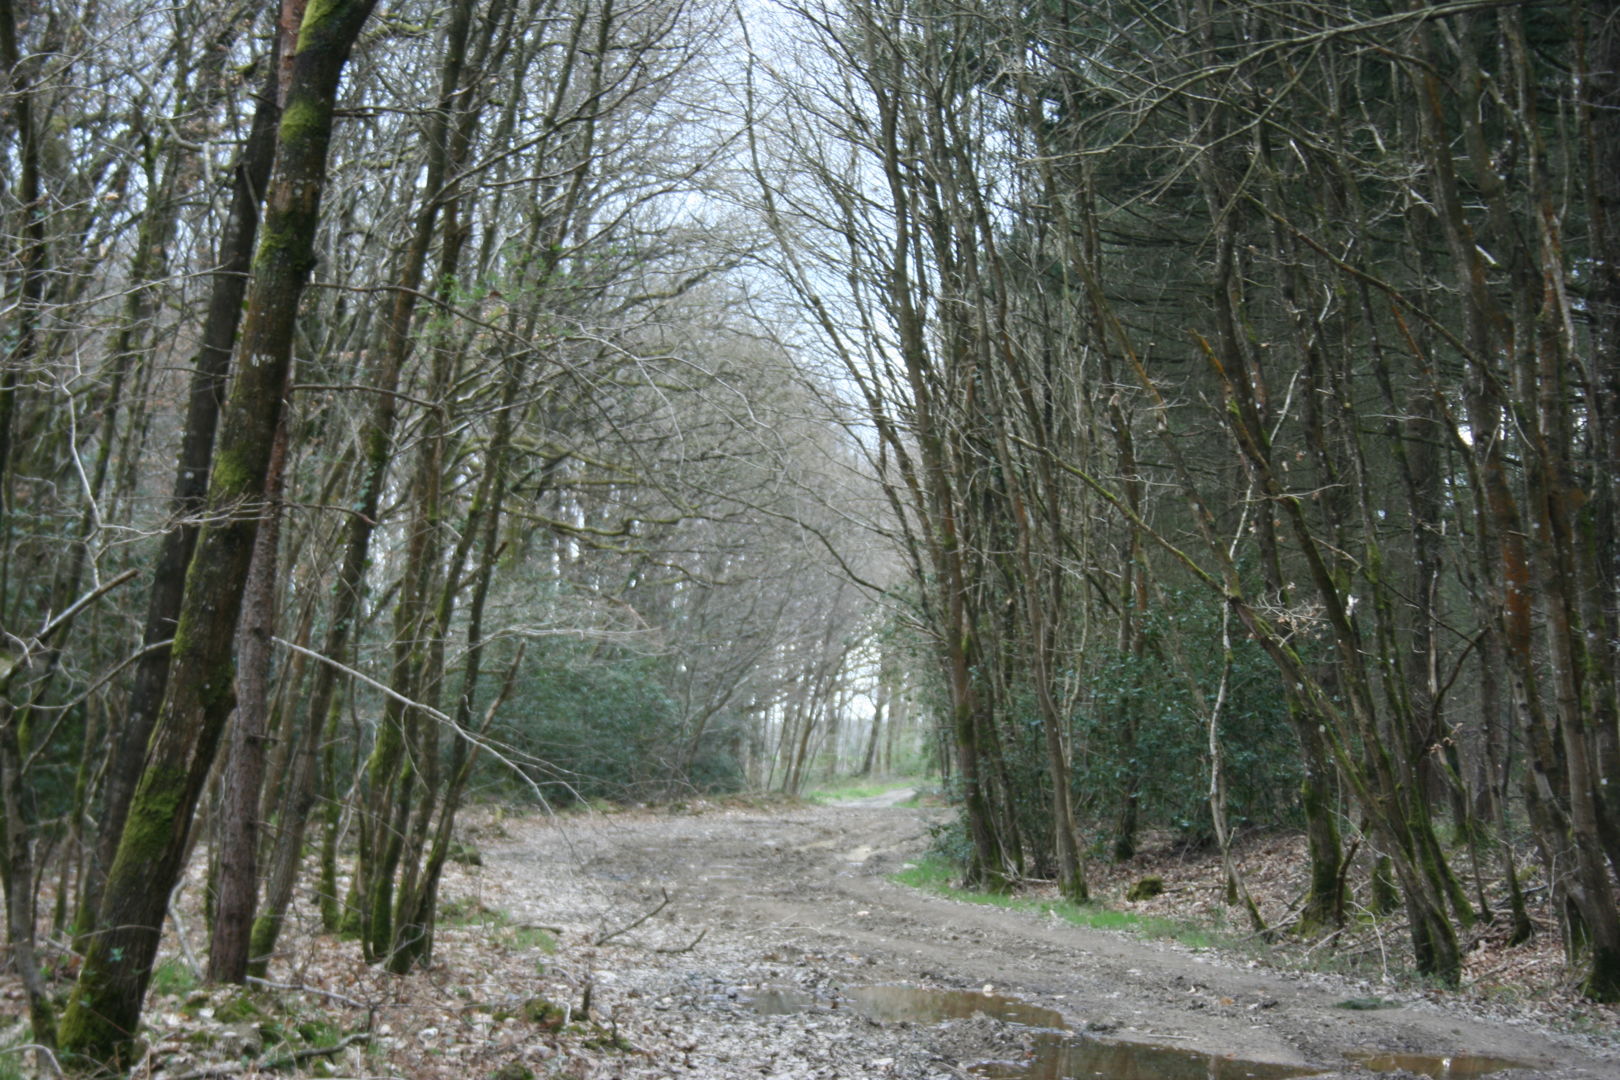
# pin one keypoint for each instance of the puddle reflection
(1085, 1059)
(1437, 1066)
(1061, 1057)
(896, 1004)
(775, 1001)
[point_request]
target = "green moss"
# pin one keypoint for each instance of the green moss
(84, 1036)
(274, 243)
(1602, 982)
(231, 477)
(261, 943)
(319, 1032)
(1386, 897)
(1146, 889)
(150, 826)
(608, 1040)
(303, 119)
(543, 1013)
(237, 1009)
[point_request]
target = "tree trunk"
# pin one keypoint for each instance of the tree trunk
(446, 135)
(104, 1009)
(228, 288)
(238, 826)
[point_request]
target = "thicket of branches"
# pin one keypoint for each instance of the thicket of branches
(1203, 340)
(383, 415)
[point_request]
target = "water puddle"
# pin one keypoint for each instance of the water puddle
(890, 1004)
(1058, 1056)
(1085, 1059)
(774, 1001)
(1437, 1066)
(896, 1004)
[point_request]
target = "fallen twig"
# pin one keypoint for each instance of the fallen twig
(180, 936)
(604, 938)
(39, 1048)
(675, 950)
(300, 988)
(557, 930)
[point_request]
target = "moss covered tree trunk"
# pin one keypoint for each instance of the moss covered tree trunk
(229, 287)
(447, 136)
(238, 823)
(105, 1006)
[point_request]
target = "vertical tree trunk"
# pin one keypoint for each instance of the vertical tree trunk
(416, 910)
(18, 873)
(105, 1005)
(22, 335)
(228, 288)
(238, 827)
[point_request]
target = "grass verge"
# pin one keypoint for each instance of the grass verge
(935, 874)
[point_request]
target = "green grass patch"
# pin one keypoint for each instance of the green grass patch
(533, 937)
(12, 1059)
(470, 915)
(173, 978)
(935, 874)
(858, 789)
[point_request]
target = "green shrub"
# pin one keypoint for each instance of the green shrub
(601, 723)
(173, 978)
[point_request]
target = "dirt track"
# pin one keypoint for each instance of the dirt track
(800, 901)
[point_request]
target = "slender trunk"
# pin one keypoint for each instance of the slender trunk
(18, 873)
(415, 916)
(377, 450)
(22, 337)
(238, 825)
(228, 289)
(105, 1006)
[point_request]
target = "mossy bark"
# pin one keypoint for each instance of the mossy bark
(204, 399)
(1324, 900)
(237, 828)
(104, 1008)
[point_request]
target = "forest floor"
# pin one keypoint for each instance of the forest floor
(731, 942)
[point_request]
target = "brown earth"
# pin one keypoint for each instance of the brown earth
(724, 943)
(801, 900)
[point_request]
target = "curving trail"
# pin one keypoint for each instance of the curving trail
(799, 902)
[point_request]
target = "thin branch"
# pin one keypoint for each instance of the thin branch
(473, 737)
(604, 938)
(676, 950)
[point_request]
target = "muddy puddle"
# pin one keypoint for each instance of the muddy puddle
(1089, 1059)
(1437, 1066)
(1056, 1058)
(1057, 1055)
(897, 1004)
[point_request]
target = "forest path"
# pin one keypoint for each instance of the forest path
(774, 917)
